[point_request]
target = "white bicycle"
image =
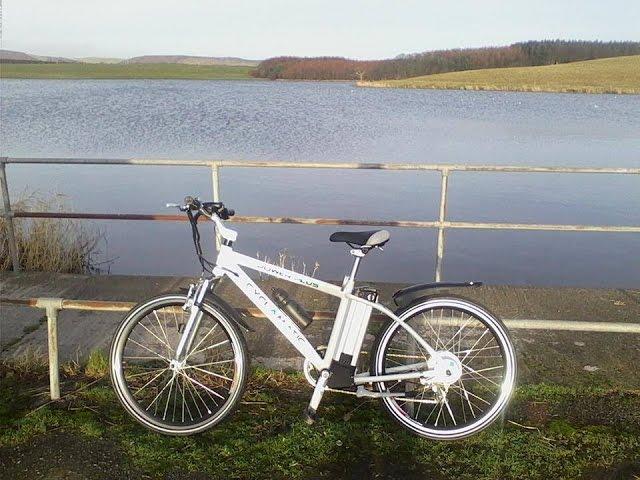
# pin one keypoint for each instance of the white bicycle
(442, 366)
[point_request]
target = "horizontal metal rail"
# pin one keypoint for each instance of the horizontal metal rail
(320, 165)
(513, 323)
(338, 221)
(442, 223)
(52, 307)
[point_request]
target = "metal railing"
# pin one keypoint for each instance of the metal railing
(441, 223)
(52, 306)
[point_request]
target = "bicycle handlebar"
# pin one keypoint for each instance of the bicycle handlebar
(210, 208)
(194, 208)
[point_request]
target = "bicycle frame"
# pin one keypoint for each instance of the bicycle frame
(230, 264)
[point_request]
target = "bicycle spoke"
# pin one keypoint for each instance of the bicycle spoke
(474, 356)
(192, 382)
(467, 392)
(446, 402)
(175, 403)
(150, 372)
(194, 350)
(477, 372)
(177, 396)
(155, 313)
(213, 374)
(149, 382)
(202, 386)
(160, 393)
(164, 416)
(185, 404)
(190, 388)
(439, 413)
(477, 341)
(151, 351)
(474, 395)
(210, 363)
(154, 335)
(479, 350)
(211, 347)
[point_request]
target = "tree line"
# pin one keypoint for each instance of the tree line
(531, 53)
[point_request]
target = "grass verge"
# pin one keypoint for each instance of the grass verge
(608, 75)
(549, 432)
(124, 71)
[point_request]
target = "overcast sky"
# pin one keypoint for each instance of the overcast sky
(257, 29)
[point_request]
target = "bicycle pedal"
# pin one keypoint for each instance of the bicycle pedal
(309, 416)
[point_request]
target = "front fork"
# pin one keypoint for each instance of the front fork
(194, 301)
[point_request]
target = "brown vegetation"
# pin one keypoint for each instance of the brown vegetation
(49, 245)
(524, 54)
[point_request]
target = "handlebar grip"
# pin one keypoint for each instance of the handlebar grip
(192, 202)
(225, 213)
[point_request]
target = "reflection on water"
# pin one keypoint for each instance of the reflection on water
(299, 121)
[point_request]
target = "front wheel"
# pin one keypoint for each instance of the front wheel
(184, 398)
(478, 377)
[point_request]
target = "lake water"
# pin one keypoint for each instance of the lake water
(332, 122)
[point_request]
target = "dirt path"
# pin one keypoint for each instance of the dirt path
(63, 456)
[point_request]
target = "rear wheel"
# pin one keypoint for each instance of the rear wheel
(477, 379)
(184, 399)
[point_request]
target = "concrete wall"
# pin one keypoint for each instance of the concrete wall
(544, 356)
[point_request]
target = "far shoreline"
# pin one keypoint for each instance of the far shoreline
(607, 76)
(487, 88)
(355, 83)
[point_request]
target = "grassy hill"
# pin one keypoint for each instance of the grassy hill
(193, 60)
(116, 71)
(606, 75)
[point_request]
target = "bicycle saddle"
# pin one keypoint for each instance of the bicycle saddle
(371, 238)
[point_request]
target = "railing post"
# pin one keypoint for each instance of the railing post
(8, 216)
(215, 182)
(441, 219)
(51, 307)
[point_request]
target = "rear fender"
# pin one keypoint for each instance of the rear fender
(408, 295)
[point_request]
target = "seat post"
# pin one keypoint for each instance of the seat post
(358, 253)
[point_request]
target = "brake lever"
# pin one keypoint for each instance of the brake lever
(182, 208)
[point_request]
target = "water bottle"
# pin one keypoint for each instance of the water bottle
(291, 307)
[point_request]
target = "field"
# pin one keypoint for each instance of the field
(116, 71)
(607, 75)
